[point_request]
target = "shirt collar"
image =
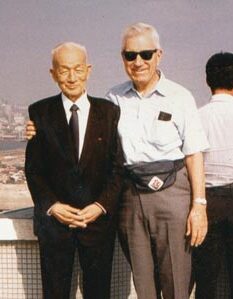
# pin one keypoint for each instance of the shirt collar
(82, 102)
(222, 97)
(161, 87)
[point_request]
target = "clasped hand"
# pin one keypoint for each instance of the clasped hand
(74, 217)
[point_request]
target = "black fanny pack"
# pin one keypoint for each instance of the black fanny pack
(154, 176)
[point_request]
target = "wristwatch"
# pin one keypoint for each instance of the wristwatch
(200, 200)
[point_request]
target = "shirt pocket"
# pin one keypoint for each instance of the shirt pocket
(164, 132)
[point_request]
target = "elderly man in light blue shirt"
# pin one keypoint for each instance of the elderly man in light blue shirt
(159, 126)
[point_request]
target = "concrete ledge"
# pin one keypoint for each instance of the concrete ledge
(17, 225)
(16, 229)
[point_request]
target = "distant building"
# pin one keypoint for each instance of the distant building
(12, 121)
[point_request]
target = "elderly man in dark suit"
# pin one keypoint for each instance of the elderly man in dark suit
(74, 173)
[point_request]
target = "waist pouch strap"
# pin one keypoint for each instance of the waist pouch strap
(154, 176)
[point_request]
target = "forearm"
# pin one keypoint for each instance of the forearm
(41, 194)
(36, 175)
(197, 219)
(195, 168)
(110, 194)
(112, 188)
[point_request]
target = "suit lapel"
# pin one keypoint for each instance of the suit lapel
(57, 118)
(60, 128)
(94, 129)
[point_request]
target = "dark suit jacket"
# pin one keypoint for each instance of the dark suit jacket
(51, 171)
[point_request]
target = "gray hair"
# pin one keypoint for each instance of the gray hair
(67, 45)
(140, 28)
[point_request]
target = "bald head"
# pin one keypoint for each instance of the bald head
(68, 47)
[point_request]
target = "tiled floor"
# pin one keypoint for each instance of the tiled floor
(20, 274)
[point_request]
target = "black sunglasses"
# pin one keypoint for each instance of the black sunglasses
(145, 55)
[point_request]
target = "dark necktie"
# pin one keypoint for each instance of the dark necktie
(74, 126)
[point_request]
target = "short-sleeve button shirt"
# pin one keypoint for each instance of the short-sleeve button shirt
(163, 125)
(218, 125)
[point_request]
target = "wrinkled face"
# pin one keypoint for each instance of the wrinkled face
(141, 71)
(70, 71)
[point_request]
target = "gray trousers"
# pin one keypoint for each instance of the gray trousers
(152, 230)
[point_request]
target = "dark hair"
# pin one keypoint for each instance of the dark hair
(219, 71)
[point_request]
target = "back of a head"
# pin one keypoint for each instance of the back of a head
(219, 71)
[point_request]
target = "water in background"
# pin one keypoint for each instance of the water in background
(12, 144)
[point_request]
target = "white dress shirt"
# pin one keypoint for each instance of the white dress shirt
(144, 136)
(217, 118)
(83, 112)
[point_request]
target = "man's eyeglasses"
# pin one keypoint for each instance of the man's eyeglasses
(145, 55)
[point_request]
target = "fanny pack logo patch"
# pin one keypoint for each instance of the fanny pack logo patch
(155, 183)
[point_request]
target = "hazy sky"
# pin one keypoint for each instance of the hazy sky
(190, 31)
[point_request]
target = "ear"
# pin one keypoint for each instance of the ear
(159, 54)
(53, 74)
(89, 68)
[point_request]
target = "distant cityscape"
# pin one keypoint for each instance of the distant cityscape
(13, 188)
(12, 121)
(12, 132)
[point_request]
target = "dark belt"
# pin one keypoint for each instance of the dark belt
(228, 186)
